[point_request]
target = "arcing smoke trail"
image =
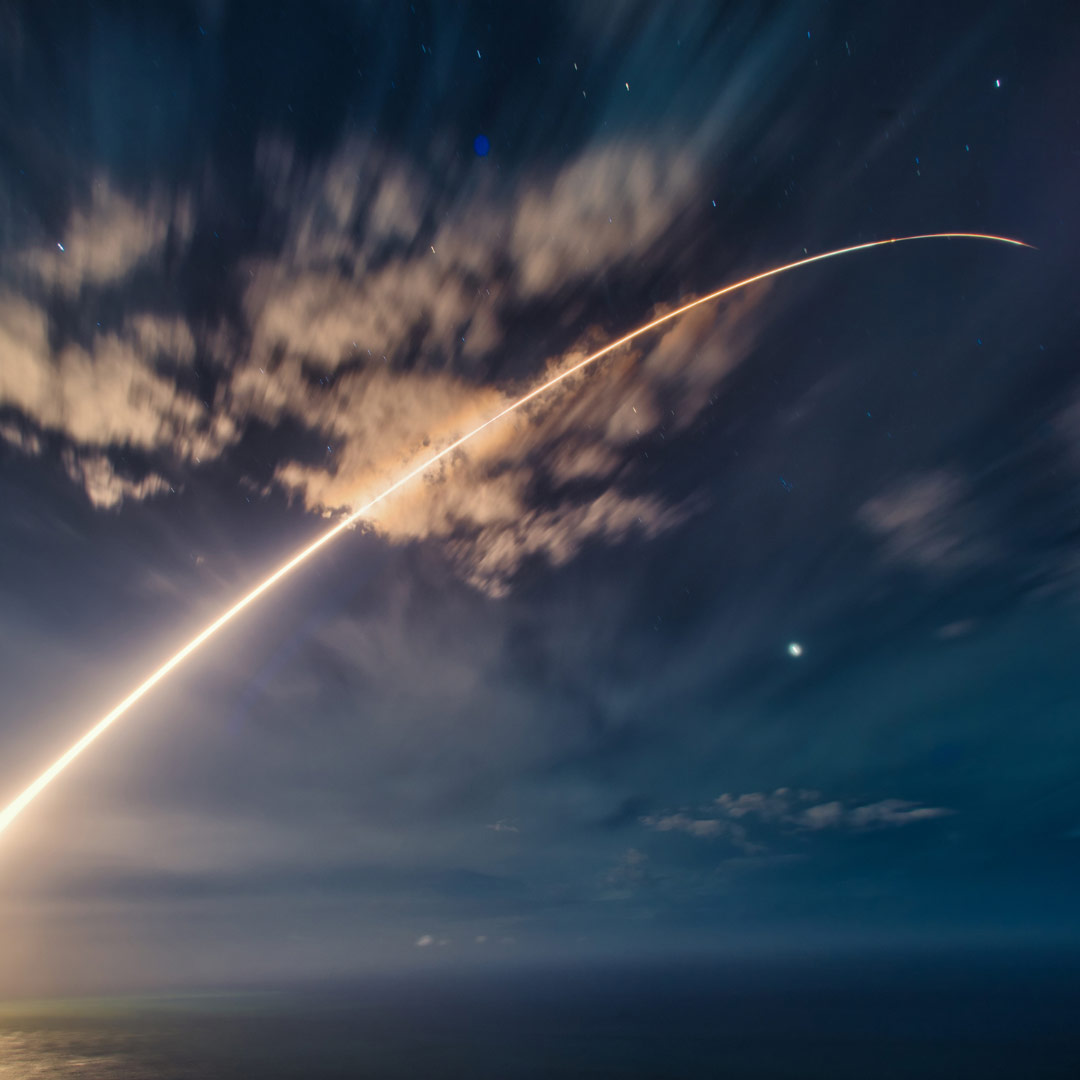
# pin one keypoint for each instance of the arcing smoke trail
(20, 803)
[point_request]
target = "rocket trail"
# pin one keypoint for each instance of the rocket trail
(22, 801)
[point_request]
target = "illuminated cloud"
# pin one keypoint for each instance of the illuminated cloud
(356, 329)
(24, 344)
(104, 486)
(610, 204)
(20, 439)
(108, 395)
(331, 319)
(105, 241)
(329, 301)
(162, 337)
(330, 298)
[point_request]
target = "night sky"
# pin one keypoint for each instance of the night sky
(759, 638)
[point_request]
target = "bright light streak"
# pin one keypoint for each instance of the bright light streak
(20, 803)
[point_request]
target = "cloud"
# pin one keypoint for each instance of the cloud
(344, 210)
(358, 341)
(788, 807)
(105, 392)
(107, 395)
(893, 812)
(381, 425)
(1060, 573)
(705, 828)
(823, 816)
(20, 439)
(332, 296)
(631, 871)
(357, 329)
(348, 281)
(772, 807)
(108, 239)
(104, 486)
(165, 337)
(796, 810)
(24, 345)
(409, 304)
(610, 204)
(381, 422)
(1068, 425)
(924, 521)
(425, 941)
(504, 826)
(491, 556)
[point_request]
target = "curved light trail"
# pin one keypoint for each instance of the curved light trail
(23, 800)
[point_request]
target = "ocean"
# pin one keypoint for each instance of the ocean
(961, 1017)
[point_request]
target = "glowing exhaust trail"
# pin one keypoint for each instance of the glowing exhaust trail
(20, 803)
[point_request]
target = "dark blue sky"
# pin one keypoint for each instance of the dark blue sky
(544, 705)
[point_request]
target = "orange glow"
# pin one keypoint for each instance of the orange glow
(20, 803)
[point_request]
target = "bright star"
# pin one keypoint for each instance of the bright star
(795, 649)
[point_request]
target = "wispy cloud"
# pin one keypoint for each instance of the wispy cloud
(630, 872)
(792, 810)
(703, 827)
(892, 812)
(926, 521)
